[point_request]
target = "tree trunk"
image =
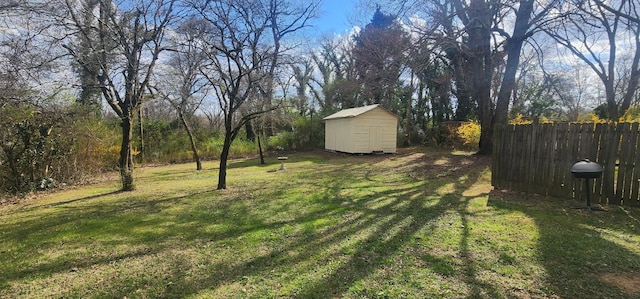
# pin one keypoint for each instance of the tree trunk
(192, 141)
(260, 149)
(612, 105)
(126, 157)
(486, 130)
(251, 134)
(514, 47)
(634, 77)
(224, 155)
(464, 109)
(141, 132)
(481, 69)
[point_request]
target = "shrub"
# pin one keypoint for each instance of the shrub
(519, 119)
(243, 148)
(41, 147)
(469, 133)
(284, 139)
(306, 134)
(96, 145)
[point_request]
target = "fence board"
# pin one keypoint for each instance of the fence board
(558, 178)
(537, 158)
(631, 137)
(622, 166)
(519, 154)
(598, 140)
(610, 166)
(528, 167)
(587, 150)
(551, 137)
(498, 139)
(573, 148)
(625, 166)
(635, 177)
(504, 146)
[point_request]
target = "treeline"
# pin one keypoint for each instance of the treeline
(167, 80)
(47, 147)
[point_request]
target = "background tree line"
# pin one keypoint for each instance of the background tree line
(87, 83)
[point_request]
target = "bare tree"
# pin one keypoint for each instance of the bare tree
(90, 93)
(35, 135)
(530, 16)
(337, 86)
(28, 59)
(483, 41)
(285, 18)
(302, 73)
(243, 43)
(182, 83)
(601, 35)
(320, 86)
(477, 19)
(133, 33)
(574, 91)
(379, 53)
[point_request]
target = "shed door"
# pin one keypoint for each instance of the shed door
(375, 139)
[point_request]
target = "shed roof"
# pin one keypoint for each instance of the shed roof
(353, 112)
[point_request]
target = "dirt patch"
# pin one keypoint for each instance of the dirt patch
(629, 282)
(438, 163)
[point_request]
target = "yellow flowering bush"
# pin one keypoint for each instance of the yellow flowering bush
(469, 132)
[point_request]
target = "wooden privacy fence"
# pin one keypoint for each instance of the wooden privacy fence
(537, 158)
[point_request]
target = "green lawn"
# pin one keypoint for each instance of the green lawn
(423, 223)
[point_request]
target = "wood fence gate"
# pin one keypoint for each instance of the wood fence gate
(537, 158)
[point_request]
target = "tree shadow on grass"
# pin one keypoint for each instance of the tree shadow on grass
(585, 254)
(104, 223)
(71, 226)
(376, 250)
(401, 220)
(355, 224)
(302, 248)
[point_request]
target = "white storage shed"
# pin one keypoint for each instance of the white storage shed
(361, 130)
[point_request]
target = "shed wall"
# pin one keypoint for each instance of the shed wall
(373, 131)
(339, 135)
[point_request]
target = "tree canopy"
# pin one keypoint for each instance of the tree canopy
(252, 67)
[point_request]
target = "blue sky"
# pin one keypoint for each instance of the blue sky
(334, 16)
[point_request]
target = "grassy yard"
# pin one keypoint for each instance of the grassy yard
(423, 223)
